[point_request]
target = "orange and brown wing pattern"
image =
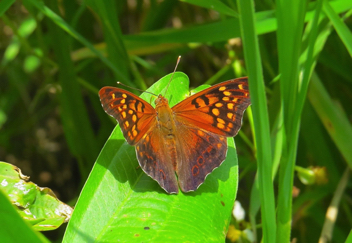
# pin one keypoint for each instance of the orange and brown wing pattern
(135, 115)
(200, 152)
(153, 153)
(218, 109)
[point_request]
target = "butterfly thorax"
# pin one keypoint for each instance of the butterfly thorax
(165, 116)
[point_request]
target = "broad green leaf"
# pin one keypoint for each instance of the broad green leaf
(121, 203)
(12, 227)
(38, 206)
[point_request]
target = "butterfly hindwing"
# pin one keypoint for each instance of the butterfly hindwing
(218, 109)
(155, 158)
(134, 115)
(199, 153)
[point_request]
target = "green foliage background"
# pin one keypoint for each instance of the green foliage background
(56, 55)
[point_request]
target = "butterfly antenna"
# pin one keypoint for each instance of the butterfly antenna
(119, 83)
(177, 62)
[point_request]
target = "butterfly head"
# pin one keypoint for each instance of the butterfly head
(161, 101)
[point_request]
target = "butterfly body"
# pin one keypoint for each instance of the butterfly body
(165, 117)
(188, 139)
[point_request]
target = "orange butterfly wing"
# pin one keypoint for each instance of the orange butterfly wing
(218, 109)
(203, 122)
(154, 157)
(134, 115)
(137, 120)
(200, 152)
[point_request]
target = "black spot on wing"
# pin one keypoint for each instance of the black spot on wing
(196, 102)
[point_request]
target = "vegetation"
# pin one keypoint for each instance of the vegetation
(289, 168)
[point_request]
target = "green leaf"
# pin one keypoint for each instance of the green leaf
(261, 121)
(349, 239)
(12, 227)
(38, 206)
(120, 202)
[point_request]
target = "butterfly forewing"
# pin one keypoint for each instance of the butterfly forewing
(218, 109)
(135, 115)
(205, 120)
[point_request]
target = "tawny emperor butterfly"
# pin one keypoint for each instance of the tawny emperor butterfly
(188, 139)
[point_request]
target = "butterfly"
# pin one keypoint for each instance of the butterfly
(189, 139)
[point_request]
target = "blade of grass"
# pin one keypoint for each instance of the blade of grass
(62, 24)
(340, 27)
(265, 22)
(309, 62)
(261, 120)
(333, 209)
(78, 130)
(152, 42)
(290, 19)
(277, 139)
(333, 118)
(115, 47)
